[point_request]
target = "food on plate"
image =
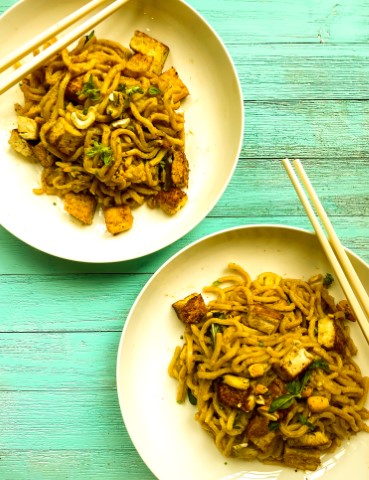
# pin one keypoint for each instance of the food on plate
(269, 365)
(105, 123)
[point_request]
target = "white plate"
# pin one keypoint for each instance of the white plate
(214, 126)
(165, 434)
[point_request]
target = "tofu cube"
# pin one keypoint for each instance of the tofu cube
(331, 334)
(138, 65)
(326, 332)
(171, 201)
(28, 128)
(118, 219)
(180, 169)
(74, 89)
(43, 156)
(170, 78)
(143, 43)
(295, 362)
(81, 206)
(191, 309)
(65, 137)
(313, 439)
(263, 319)
(302, 458)
(20, 145)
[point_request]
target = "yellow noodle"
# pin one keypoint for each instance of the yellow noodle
(239, 371)
(137, 123)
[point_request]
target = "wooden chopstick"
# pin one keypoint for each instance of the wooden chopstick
(343, 269)
(70, 36)
(13, 57)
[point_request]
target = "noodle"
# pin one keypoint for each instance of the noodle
(268, 386)
(105, 124)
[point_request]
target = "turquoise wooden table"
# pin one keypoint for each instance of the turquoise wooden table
(304, 70)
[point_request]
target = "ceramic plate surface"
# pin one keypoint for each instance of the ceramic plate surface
(214, 128)
(165, 434)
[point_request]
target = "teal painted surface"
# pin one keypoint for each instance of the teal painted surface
(304, 70)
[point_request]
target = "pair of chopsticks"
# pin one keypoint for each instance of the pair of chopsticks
(49, 34)
(336, 254)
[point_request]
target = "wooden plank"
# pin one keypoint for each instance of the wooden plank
(306, 129)
(254, 21)
(62, 420)
(262, 188)
(319, 21)
(49, 361)
(122, 463)
(37, 303)
(302, 71)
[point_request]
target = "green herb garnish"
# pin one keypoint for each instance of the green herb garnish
(282, 402)
(128, 91)
(89, 89)
(105, 153)
(272, 426)
(154, 91)
(191, 397)
(214, 329)
(135, 89)
(89, 36)
(304, 421)
(328, 280)
(295, 387)
(219, 315)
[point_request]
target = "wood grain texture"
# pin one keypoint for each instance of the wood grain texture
(95, 464)
(304, 69)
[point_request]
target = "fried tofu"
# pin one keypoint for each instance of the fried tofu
(19, 144)
(234, 398)
(28, 128)
(326, 332)
(143, 43)
(302, 459)
(191, 309)
(180, 169)
(263, 319)
(257, 427)
(172, 200)
(295, 362)
(43, 156)
(118, 219)
(330, 334)
(310, 440)
(138, 65)
(265, 441)
(81, 206)
(74, 89)
(276, 388)
(64, 137)
(170, 78)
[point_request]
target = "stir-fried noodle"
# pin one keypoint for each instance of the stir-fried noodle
(269, 364)
(105, 123)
